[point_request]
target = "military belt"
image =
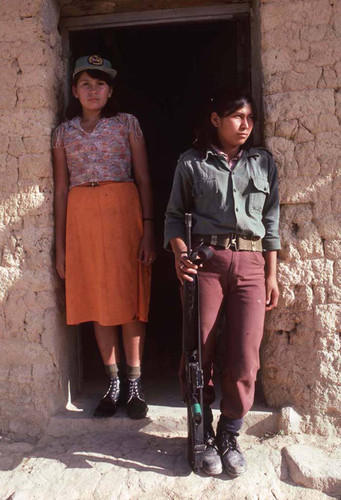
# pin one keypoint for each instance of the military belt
(231, 240)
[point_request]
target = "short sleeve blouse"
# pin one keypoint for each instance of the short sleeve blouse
(101, 155)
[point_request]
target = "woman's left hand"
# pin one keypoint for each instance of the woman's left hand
(272, 293)
(147, 253)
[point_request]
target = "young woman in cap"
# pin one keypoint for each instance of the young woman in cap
(231, 190)
(104, 225)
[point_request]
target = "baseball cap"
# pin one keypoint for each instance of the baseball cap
(94, 62)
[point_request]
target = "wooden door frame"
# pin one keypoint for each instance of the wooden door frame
(148, 17)
(249, 9)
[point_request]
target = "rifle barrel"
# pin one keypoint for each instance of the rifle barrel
(188, 224)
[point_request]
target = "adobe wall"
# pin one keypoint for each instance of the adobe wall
(35, 369)
(301, 49)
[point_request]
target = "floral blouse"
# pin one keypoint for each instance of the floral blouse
(101, 155)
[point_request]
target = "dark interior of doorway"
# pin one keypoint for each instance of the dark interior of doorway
(165, 74)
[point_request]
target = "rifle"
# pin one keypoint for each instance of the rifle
(191, 348)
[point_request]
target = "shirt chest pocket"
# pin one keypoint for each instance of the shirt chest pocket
(205, 195)
(259, 189)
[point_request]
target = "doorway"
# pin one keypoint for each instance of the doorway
(165, 74)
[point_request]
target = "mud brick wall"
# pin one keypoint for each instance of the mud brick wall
(35, 369)
(301, 49)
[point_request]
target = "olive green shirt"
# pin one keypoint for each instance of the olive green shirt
(243, 200)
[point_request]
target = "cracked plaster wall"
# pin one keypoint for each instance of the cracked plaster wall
(34, 364)
(301, 62)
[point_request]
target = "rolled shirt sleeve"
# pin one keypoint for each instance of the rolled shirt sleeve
(58, 137)
(270, 217)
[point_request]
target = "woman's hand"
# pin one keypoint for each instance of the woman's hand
(184, 267)
(271, 286)
(60, 264)
(272, 292)
(147, 253)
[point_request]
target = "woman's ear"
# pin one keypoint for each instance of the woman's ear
(215, 119)
(74, 91)
(110, 92)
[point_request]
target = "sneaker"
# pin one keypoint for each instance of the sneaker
(136, 404)
(231, 455)
(109, 403)
(211, 461)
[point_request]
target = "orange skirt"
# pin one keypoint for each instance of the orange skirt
(104, 281)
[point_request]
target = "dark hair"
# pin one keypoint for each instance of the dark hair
(224, 102)
(75, 108)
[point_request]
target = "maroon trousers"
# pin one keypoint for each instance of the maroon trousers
(232, 283)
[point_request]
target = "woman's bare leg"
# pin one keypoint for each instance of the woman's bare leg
(107, 339)
(133, 335)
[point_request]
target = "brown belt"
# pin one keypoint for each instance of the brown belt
(231, 240)
(94, 184)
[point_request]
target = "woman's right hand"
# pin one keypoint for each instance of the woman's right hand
(184, 267)
(60, 264)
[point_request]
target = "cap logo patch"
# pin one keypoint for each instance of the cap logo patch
(95, 60)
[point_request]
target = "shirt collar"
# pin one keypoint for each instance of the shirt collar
(76, 123)
(213, 150)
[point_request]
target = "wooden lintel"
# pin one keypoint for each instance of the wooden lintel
(164, 16)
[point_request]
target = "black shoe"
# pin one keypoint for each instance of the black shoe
(231, 455)
(136, 405)
(211, 461)
(109, 403)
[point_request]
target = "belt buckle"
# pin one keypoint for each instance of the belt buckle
(214, 239)
(233, 241)
(94, 184)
